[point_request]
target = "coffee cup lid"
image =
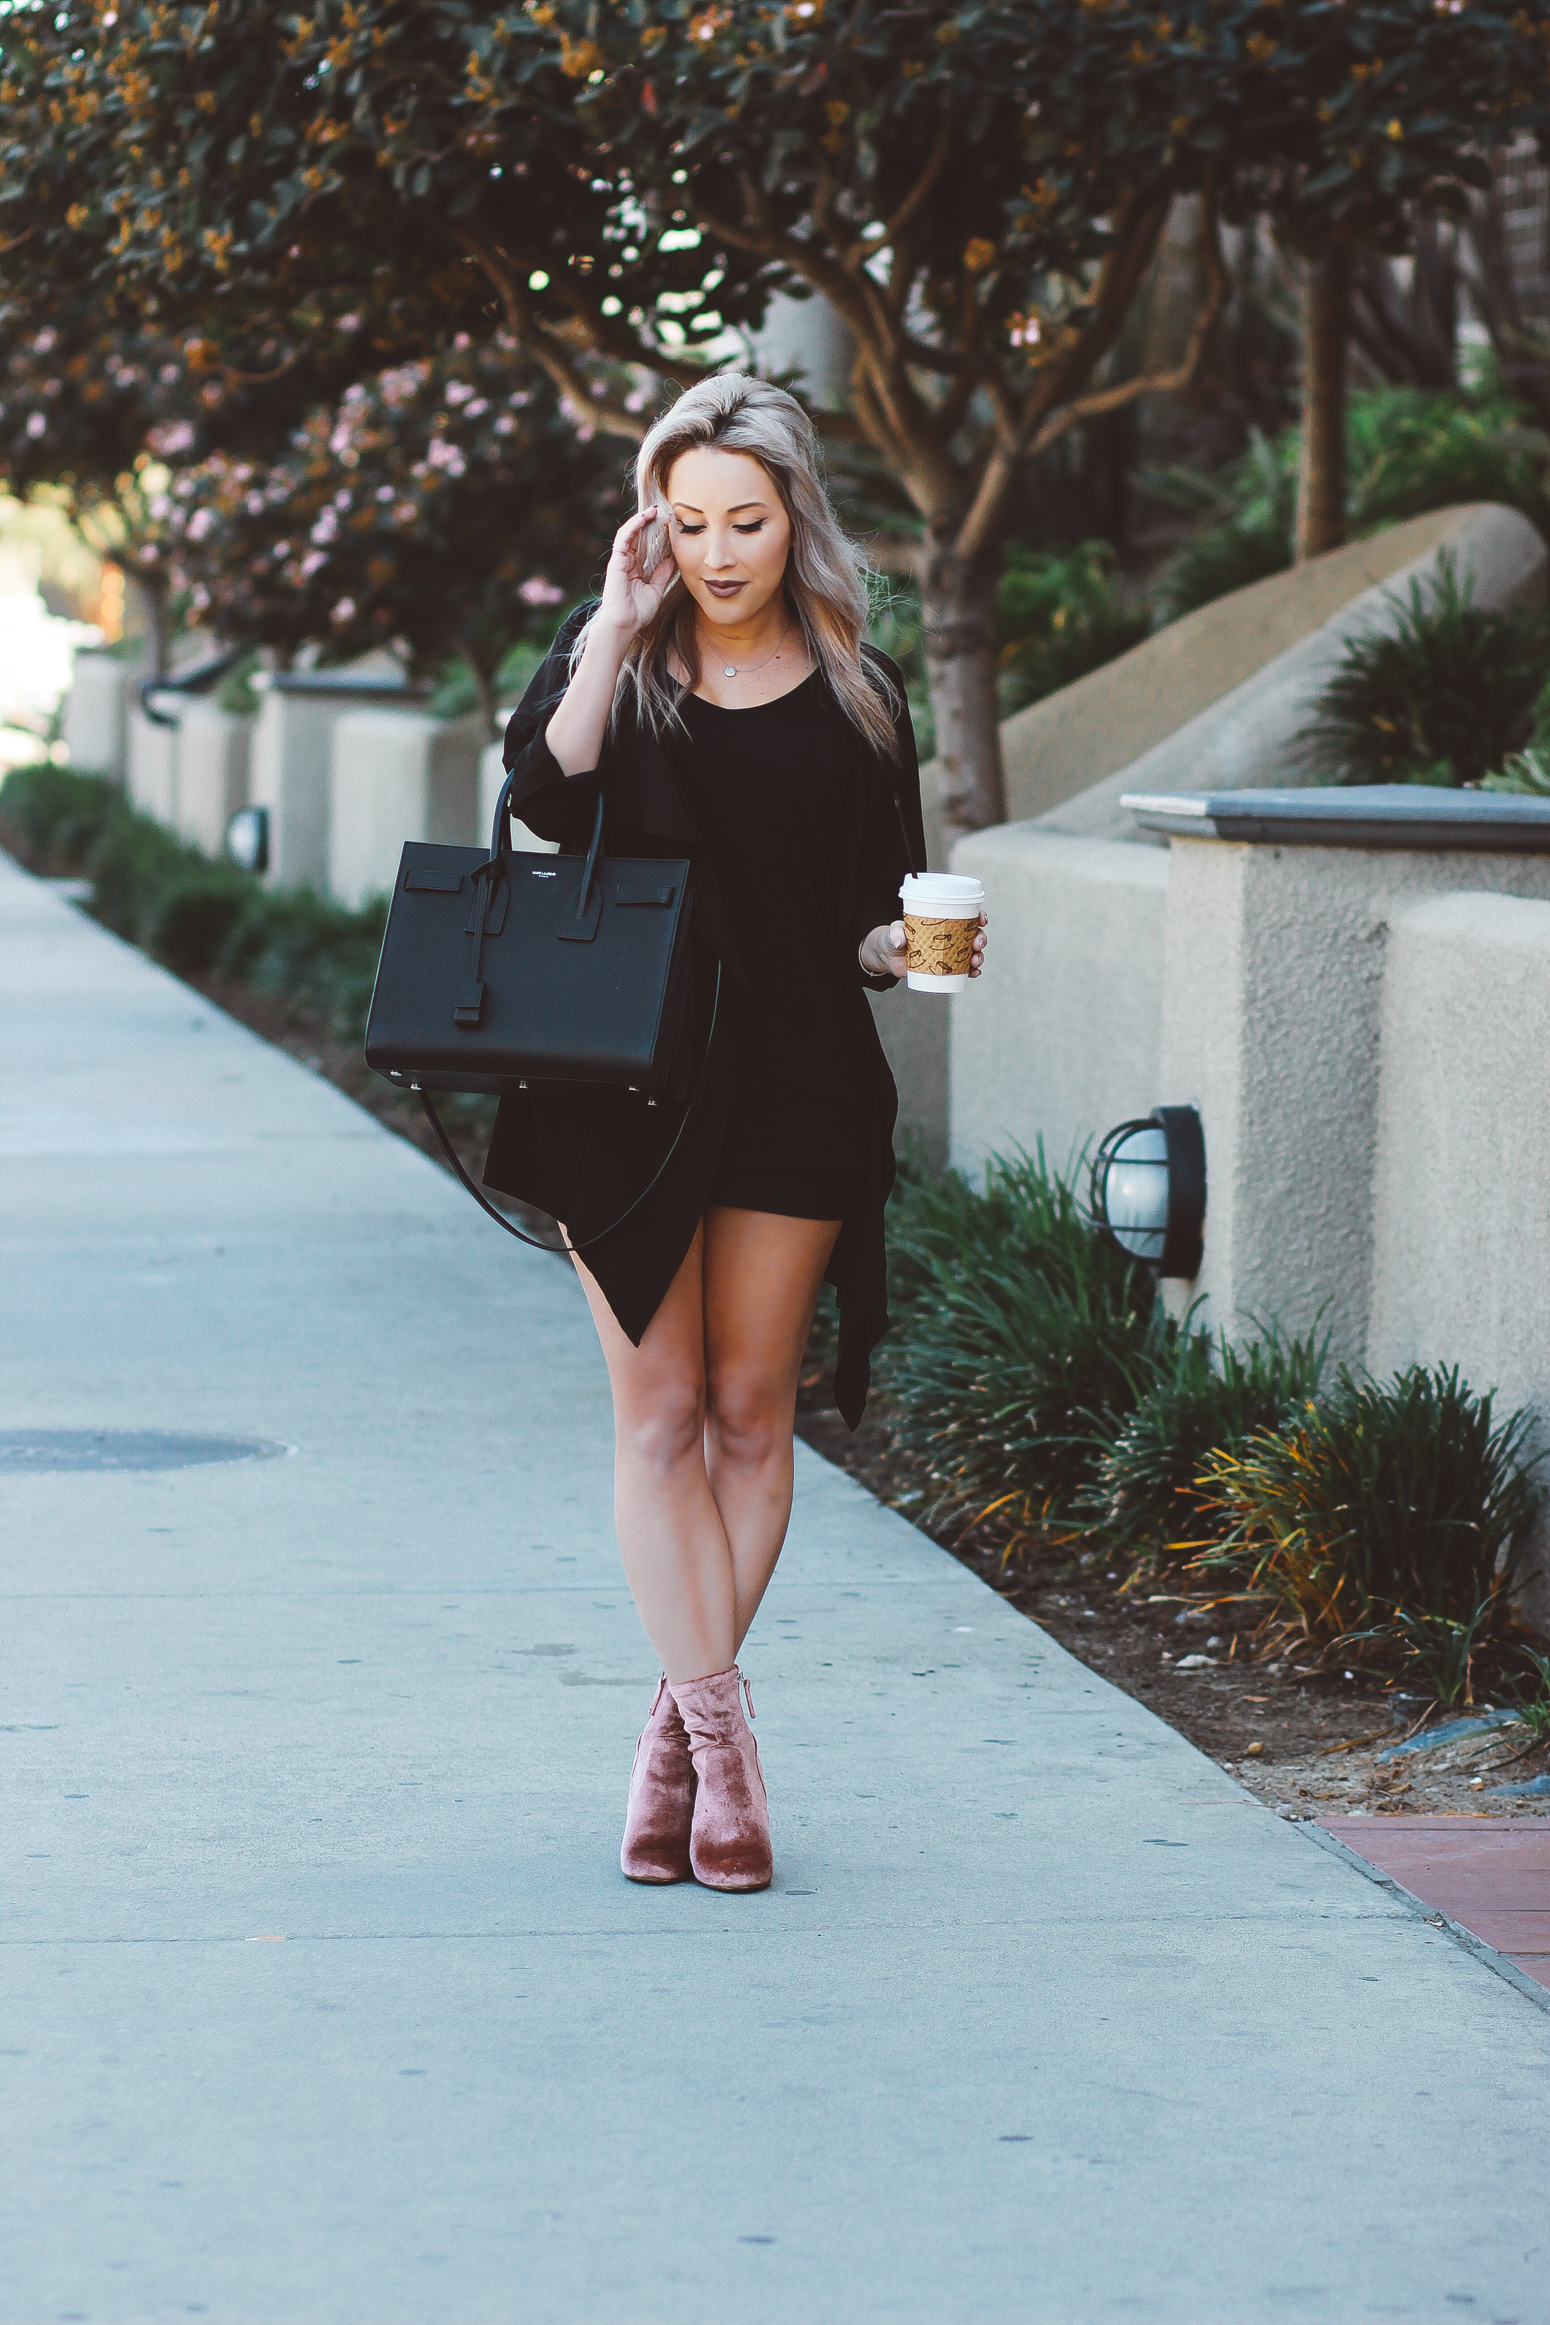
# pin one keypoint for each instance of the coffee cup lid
(941, 888)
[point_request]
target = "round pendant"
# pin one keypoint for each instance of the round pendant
(729, 669)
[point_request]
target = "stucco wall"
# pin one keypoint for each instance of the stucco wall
(1461, 1187)
(151, 773)
(1249, 738)
(1274, 986)
(96, 723)
(1061, 1038)
(1106, 721)
(214, 747)
(397, 775)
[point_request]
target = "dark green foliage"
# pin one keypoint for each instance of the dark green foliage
(1413, 450)
(1534, 1707)
(1258, 500)
(1022, 1339)
(1384, 1524)
(1057, 617)
(1443, 699)
(1218, 561)
(1407, 450)
(52, 818)
(1147, 1499)
(196, 916)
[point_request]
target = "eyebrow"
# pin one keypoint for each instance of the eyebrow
(732, 512)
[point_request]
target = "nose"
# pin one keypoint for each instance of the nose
(720, 553)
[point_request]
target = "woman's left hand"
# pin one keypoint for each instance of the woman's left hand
(882, 953)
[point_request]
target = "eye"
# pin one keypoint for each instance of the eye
(689, 530)
(757, 526)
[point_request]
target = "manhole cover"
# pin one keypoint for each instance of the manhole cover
(24, 1452)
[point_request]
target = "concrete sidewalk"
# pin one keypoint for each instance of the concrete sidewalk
(321, 1996)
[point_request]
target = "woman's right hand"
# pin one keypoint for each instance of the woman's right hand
(632, 596)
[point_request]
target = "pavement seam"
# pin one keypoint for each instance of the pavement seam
(1433, 1916)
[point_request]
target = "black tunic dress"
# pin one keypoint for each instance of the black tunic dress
(798, 835)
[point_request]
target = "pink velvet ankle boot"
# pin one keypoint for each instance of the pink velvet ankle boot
(656, 1824)
(729, 1847)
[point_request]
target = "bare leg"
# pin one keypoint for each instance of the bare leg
(671, 1538)
(761, 1279)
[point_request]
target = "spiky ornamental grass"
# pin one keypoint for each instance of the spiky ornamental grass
(1147, 1499)
(1022, 1341)
(1383, 1527)
(1443, 700)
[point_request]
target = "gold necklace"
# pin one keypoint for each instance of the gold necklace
(734, 670)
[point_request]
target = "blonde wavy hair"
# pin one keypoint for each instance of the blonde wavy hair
(825, 576)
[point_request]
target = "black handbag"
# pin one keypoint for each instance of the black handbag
(507, 971)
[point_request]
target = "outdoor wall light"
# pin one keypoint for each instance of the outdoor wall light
(247, 839)
(1149, 1190)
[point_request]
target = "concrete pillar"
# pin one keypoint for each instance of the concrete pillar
(151, 778)
(1271, 1026)
(1062, 1036)
(396, 775)
(1461, 1186)
(96, 729)
(289, 766)
(214, 749)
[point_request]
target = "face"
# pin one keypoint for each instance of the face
(729, 533)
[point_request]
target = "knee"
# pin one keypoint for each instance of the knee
(748, 1419)
(665, 1426)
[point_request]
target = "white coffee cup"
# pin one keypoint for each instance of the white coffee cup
(937, 905)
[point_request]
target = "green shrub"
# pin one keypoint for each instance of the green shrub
(1057, 617)
(1022, 1340)
(195, 915)
(1383, 1525)
(1444, 699)
(1258, 503)
(1147, 1500)
(1407, 450)
(1524, 773)
(236, 692)
(1218, 561)
(1411, 450)
(293, 944)
(53, 817)
(1534, 1707)
(193, 918)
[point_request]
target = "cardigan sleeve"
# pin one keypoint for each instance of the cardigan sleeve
(551, 803)
(894, 841)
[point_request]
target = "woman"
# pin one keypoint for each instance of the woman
(720, 694)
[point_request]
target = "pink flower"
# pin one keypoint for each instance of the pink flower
(540, 592)
(344, 611)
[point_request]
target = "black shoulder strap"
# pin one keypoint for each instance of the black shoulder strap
(532, 1241)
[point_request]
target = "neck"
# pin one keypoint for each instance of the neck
(745, 641)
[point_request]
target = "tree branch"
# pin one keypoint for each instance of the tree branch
(545, 347)
(1053, 409)
(1181, 375)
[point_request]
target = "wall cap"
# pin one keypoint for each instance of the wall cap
(1367, 815)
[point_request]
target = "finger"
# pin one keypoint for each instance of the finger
(632, 525)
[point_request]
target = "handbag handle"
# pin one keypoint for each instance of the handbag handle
(500, 835)
(500, 1218)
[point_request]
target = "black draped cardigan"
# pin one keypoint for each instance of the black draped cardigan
(584, 1156)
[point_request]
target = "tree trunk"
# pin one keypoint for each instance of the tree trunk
(151, 592)
(958, 606)
(484, 687)
(1326, 310)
